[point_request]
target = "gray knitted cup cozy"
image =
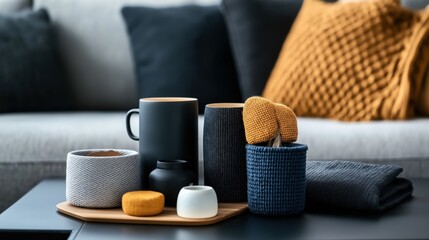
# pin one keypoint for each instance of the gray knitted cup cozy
(100, 182)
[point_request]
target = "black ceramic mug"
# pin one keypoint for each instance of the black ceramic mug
(168, 129)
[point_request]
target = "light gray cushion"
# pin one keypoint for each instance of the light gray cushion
(34, 146)
(50, 136)
(403, 143)
(29, 64)
(95, 48)
(415, 4)
(17, 178)
(8, 6)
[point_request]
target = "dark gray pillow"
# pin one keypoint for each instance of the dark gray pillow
(257, 29)
(31, 76)
(182, 52)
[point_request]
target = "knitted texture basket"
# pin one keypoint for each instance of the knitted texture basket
(276, 179)
(224, 152)
(353, 61)
(100, 181)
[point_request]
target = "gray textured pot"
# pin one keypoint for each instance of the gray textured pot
(97, 178)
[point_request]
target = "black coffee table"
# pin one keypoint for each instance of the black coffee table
(35, 217)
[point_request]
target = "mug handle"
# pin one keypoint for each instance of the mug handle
(128, 125)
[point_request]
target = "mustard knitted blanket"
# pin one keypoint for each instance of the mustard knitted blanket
(353, 61)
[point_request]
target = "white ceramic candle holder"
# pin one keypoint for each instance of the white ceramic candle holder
(197, 202)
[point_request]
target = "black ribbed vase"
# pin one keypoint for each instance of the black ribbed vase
(224, 146)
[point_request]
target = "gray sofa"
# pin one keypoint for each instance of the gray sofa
(94, 45)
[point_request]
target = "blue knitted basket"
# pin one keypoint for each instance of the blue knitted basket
(276, 179)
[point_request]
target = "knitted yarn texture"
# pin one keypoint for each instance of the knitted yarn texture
(98, 180)
(352, 62)
(263, 118)
(355, 185)
(276, 179)
(224, 153)
(143, 203)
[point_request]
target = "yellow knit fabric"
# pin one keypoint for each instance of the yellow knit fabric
(351, 61)
(287, 122)
(423, 98)
(263, 118)
(143, 203)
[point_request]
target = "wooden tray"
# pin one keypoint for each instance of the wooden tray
(167, 217)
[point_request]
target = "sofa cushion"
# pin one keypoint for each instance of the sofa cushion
(50, 136)
(415, 4)
(423, 102)
(422, 105)
(184, 52)
(34, 146)
(31, 76)
(256, 46)
(402, 143)
(351, 61)
(95, 46)
(8, 6)
(257, 29)
(17, 178)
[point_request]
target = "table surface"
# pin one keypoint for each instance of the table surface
(35, 215)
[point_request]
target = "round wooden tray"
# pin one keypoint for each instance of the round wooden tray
(167, 217)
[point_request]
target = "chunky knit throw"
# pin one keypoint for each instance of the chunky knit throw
(355, 185)
(352, 62)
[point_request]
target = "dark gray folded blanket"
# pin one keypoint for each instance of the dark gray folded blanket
(355, 185)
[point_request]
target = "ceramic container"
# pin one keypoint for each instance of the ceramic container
(97, 178)
(197, 202)
(169, 177)
(168, 129)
